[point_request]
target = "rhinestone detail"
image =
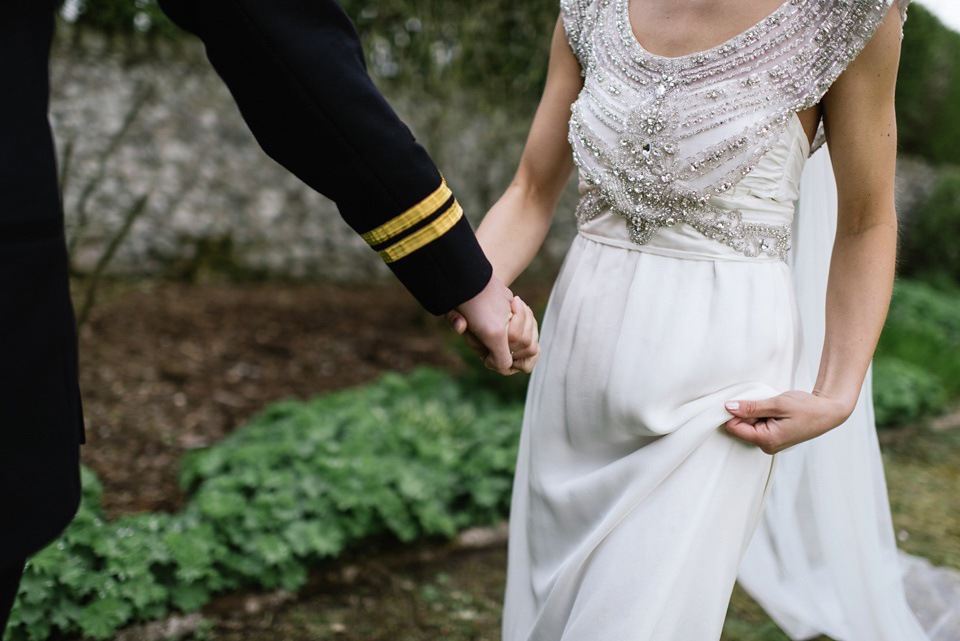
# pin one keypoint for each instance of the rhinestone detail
(655, 138)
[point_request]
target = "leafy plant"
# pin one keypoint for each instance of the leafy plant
(923, 329)
(903, 392)
(406, 457)
(929, 247)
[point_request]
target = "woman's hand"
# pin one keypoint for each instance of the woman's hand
(522, 335)
(780, 422)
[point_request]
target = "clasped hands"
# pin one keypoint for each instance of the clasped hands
(499, 327)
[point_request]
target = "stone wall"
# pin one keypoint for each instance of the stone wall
(215, 203)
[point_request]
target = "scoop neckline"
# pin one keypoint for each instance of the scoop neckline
(749, 32)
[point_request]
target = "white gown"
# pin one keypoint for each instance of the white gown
(632, 508)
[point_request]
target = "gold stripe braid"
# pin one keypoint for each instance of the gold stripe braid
(410, 217)
(421, 237)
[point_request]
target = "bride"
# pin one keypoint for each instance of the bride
(674, 370)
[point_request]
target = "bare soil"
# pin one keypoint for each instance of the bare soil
(169, 367)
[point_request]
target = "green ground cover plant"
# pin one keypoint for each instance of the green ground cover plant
(904, 392)
(923, 329)
(403, 458)
(916, 371)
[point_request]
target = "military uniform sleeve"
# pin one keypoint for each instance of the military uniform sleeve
(297, 72)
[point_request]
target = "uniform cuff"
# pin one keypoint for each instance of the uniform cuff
(447, 271)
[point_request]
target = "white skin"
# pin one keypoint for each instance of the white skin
(502, 328)
(858, 115)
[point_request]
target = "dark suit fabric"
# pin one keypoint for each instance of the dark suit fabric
(297, 72)
(296, 69)
(9, 582)
(40, 423)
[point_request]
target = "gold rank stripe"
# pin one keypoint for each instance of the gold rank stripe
(422, 210)
(421, 237)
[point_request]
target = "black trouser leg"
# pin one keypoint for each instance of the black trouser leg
(9, 584)
(40, 430)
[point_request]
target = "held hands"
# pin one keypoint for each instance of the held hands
(500, 328)
(780, 422)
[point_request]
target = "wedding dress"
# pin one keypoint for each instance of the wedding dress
(632, 508)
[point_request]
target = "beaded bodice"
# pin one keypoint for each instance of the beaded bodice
(655, 138)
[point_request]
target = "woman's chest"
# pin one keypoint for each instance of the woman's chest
(673, 28)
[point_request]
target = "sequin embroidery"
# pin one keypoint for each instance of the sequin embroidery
(654, 138)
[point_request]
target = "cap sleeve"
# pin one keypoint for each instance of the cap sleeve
(857, 27)
(903, 10)
(577, 22)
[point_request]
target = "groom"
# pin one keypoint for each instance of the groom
(297, 72)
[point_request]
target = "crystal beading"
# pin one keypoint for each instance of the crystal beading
(655, 138)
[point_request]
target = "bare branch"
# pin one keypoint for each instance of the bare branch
(133, 213)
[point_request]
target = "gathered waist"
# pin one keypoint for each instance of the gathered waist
(680, 240)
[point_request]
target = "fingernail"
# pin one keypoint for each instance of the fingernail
(732, 405)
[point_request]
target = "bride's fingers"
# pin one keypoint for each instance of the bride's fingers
(743, 430)
(764, 433)
(517, 325)
(534, 350)
(525, 345)
(526, 364)
(522, 335)
(775, 406)
(529, 347)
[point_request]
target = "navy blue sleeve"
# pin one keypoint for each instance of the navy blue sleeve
(297, 72)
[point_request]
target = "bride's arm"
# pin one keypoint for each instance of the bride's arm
(861, 131)
(514, 228)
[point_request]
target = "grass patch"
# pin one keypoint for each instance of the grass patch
(923, 478)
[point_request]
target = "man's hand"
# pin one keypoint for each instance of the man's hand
(499, 327)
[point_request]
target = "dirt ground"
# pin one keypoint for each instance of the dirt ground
(169, 367)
